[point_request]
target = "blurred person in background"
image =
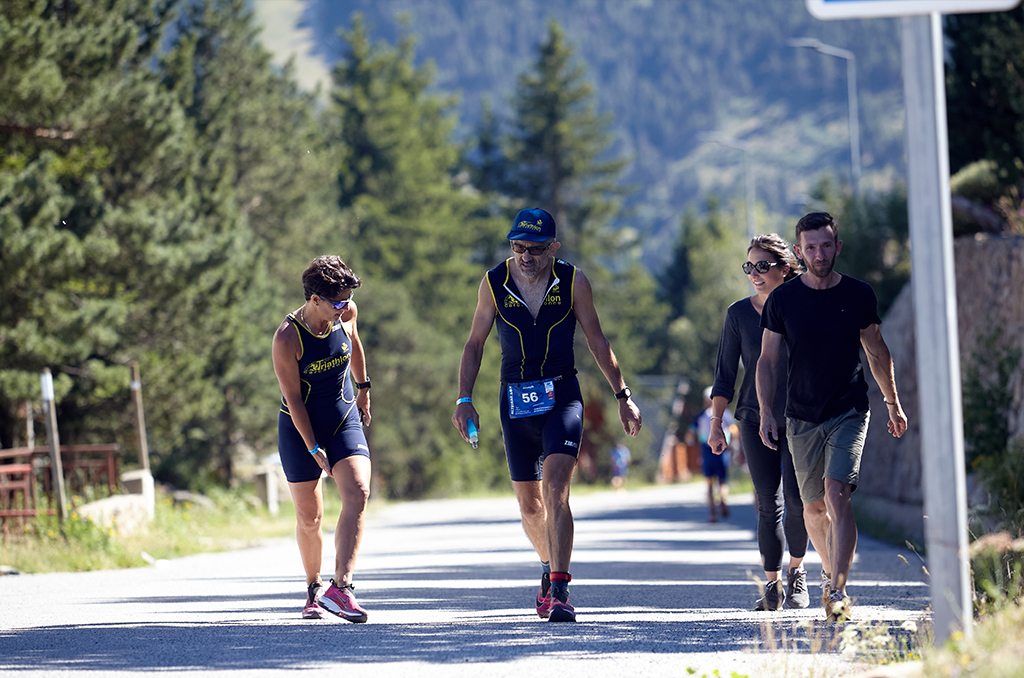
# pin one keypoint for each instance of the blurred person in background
(715, 464)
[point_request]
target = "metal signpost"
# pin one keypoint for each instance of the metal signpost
(934, 289)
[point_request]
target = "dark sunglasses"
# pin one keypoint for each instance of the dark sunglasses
(760, 267)
(337, 305)
(534, 251)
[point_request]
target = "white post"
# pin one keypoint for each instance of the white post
(140, 417)
(50, 411)
(935, 324)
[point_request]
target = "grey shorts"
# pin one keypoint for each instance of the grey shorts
(831, 449)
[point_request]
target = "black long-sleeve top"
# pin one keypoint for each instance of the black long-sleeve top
(741, 341)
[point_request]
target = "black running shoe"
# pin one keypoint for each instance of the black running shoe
(773, 597)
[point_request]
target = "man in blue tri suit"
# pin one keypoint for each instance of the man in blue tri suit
(536, 301)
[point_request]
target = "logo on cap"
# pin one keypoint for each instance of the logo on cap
(539, 226)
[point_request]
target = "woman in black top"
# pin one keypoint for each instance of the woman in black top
(780, 511)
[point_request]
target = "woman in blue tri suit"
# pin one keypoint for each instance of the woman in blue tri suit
(320, 427)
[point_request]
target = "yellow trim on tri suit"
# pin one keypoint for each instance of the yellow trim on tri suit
(497, 307)
(572, 300)
(547, 343)
(302, 351)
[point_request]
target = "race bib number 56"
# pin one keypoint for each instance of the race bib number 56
(530, 398)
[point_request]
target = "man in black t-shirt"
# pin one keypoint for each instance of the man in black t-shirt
(824, 318)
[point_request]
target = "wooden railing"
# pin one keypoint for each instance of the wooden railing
(84, 466)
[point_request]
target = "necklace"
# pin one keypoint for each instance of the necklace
(302, 317)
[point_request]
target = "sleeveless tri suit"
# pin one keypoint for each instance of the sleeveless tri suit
(329, 397)
(538, 364)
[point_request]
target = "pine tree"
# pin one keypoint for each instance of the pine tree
(261, 191)
(414, 228)
(558, 148)
(710, 250)
(89, 162)
(984, 99)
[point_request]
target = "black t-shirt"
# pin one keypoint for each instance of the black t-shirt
(821, 329)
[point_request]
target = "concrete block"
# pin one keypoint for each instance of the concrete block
(267, 488)
(126, 513)
(141, 482)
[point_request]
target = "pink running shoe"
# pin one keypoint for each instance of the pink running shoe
(341, 601)
(312, 610)
(544, 596)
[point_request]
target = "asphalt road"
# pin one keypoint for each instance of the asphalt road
(449, 586)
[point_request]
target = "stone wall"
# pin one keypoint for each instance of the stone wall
(990, 290)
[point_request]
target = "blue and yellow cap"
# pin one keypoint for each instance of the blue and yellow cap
(532, 224)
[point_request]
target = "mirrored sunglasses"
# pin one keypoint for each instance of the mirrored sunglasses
(760, 267)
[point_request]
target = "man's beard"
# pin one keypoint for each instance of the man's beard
(828, 268)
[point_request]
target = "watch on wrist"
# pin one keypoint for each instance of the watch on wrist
(624, 394)
(365, 384)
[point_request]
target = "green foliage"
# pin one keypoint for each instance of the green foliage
(178, 529)
(996, 570)
(413, 233)
(669, 72)
(1003, 477)
(874, 231)
(987, 397)
(708, 257)
(984, 99)
(991, 650)
(416, 450)
(558, 146)
(128, 201)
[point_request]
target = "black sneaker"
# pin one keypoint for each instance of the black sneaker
(773, 597)
(797, 597)
(561, 610)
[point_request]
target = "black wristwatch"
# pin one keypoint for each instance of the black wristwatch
(365, 384)
(624, 394)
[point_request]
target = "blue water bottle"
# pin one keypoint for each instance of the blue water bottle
(473, 437)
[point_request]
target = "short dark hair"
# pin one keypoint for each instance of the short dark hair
(776, 246)
(326, 276)
(814, 221)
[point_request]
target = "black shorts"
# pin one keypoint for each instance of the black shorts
(340, 433)
(529, 440)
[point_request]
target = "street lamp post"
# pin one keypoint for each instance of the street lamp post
(851, 96)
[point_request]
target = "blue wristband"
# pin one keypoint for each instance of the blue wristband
(467, 399)
(316, 448)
